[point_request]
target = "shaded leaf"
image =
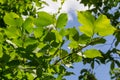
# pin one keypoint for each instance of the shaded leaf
(1, 51)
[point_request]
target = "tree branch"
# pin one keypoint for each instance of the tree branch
(79, 49)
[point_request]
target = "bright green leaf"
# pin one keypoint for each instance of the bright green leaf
(13, 19)
(44, 19)
(28, 24)
(2, 1)
(103, 26)
(12, 32)
(38, 32)
(52, 51)
(73, 44)
(58, 36)
(87, 21)
(92, 53)
(62, 20)
(89, 26)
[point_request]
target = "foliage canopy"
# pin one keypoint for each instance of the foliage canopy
(31, 42)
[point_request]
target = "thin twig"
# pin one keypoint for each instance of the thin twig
(76, 51)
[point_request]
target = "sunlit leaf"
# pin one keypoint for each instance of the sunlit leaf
(92, 53)
(89, 26)
(12, 32)
(44, 19)
(103, 26)
(12, 19)
(58, 36)
(28, 24)
(38, 32)
(62, 20)
(73, 44)
(87, 21)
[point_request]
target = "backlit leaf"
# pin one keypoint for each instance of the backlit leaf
(103, 26)
(28, 24)
(12, 19)
(44, 19)
(58, 36)
(89, 26)
(92, 53)
(87, 21)
(62, 20)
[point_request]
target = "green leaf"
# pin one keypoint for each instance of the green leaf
(112, 66)
(98, 40)
(12, 19)
(12, 32)
(103, 26)
(89, 26)
(62, 20)
(73, 44)
(76, 58)
(58, 36)
(63, 53)
(87, 21)
(72, 34)
(28, 24)
(92, 53)
(52, 51)
(1, 51)
(83, 39)
(38, 32)
(44, 19)
(2, 1)
(39, 72)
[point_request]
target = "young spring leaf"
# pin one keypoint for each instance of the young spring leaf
(92, 53)
(28, 24)
(12, 19)
(89, 26)
(12, 32)
(103, 26)
(87, 21)
(62, 20)
(44, 19)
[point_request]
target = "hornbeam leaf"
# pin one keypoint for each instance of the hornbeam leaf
(103, 26)
(92, 53)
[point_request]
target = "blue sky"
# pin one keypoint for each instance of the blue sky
(70, 7)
